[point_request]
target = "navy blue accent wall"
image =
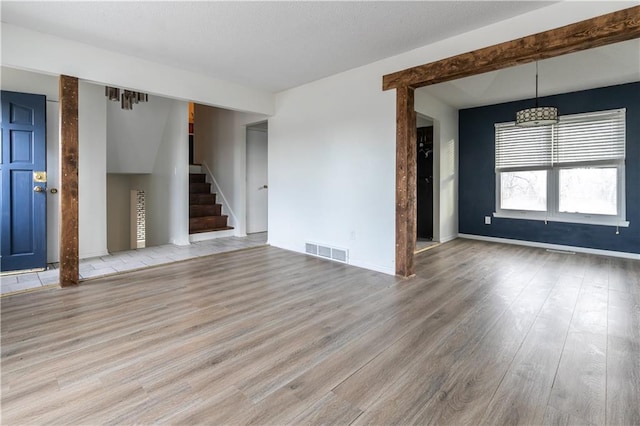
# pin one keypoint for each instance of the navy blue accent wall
(477, 197)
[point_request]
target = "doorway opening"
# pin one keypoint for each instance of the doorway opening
(424, 184)
(257, 178)
(191, 139)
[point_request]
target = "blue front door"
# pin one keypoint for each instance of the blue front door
(24, 193)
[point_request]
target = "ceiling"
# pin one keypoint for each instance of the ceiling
(603, 66)
(270, 45)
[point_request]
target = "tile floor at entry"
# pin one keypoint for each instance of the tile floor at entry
(131, 259)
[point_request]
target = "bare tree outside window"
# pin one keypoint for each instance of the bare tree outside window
(524, 190)
(589, 190)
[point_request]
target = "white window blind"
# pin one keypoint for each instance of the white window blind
(578, 138)
(595, 136)
(522, 147)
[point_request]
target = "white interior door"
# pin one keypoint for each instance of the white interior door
(257, 186)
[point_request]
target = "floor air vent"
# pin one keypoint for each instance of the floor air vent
(333, 253)
(339, 254)
(324, 251)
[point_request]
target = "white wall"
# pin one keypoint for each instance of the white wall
(332, 168)
(172, 164)
(332, 146)
(221, 135)
(92, 170)
(134, 136)
(31, 50)
(167, 187)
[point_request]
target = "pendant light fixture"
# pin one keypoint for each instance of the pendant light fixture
(128, 97)
(537, 116)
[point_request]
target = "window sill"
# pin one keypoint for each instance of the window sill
(578, 220)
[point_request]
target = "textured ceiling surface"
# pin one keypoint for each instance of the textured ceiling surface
(266, 45)
(603, 66)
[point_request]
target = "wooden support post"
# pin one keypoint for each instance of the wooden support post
(69, 252)
(406, 210)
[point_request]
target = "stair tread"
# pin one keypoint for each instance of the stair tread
(199, 210)
(207, 222)
(195, 198)
(197, 178)
(199, 188)
(200, 231)
(209, 217)
(204, 213)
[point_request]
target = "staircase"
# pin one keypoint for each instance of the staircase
(204, 214)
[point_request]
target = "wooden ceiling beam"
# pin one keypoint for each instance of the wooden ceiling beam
(602, 30)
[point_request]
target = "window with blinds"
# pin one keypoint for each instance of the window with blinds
(572, 171)
(596, 136)
(579, 138)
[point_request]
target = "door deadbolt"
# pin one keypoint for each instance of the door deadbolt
(40, 177)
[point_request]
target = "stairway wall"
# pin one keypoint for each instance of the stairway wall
(221, 136)
(134, 136)
(167, 187)
(118, 212)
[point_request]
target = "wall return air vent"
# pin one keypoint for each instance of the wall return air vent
(327, 252)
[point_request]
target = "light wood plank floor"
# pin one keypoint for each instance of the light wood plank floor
(485, 334)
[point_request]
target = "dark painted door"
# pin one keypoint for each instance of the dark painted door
(24, 193)
(424, 187)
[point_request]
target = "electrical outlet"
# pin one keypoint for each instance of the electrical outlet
(487, 220)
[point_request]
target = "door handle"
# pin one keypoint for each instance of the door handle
(38, 189)
(264, 187)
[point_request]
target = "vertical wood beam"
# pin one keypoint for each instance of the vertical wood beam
(69, 247)
(406, 210)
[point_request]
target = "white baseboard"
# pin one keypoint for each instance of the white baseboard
(204, 236)
(352, 262)
(611, 253)
(372, 267)
(93, 254)
(448, 238)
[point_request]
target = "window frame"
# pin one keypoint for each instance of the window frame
(552, 213)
